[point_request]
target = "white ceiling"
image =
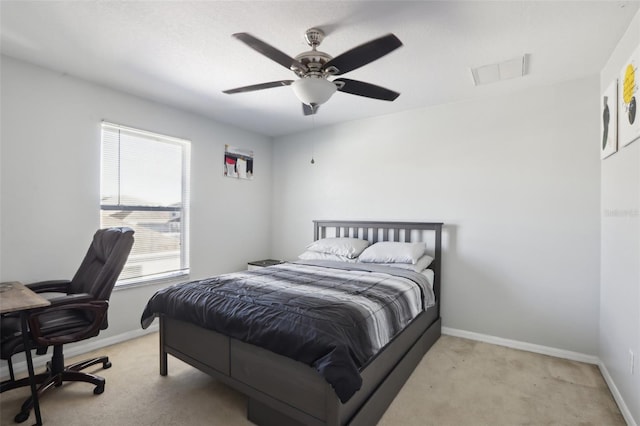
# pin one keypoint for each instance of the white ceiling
(181, 52)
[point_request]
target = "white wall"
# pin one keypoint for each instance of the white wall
(620, 279)
(50, 182)
(516, 181)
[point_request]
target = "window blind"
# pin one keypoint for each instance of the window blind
(145, 186)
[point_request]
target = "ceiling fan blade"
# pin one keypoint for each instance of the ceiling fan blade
(269, 51)
(309, 109)
(367, 90)
(362, 55)
(258, 86)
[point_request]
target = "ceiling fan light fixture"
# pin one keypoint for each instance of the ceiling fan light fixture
(313, 90)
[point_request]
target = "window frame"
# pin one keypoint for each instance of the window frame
(185, 149)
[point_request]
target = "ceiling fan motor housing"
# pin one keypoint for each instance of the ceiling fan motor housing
(314, 60)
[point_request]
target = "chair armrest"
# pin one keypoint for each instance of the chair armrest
(70, 298)
(60, 300)
(97, 307)
(52, 286)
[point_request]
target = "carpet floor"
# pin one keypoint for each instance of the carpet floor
(459, 382)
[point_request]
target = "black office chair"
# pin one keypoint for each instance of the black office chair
(78, 314)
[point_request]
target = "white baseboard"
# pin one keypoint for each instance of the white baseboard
(524, 346)
(546, 350)
(616, 395)
(78, 349)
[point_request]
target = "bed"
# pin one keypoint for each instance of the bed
(284, 391)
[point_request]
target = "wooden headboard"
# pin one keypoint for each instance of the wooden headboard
(428, 232)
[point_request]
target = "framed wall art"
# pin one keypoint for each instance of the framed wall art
(628, 115)
(238, 162)
(609, 122)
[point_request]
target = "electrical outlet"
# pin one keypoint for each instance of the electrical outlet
(631, 361)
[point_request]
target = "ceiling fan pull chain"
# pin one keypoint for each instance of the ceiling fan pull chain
(313, 126)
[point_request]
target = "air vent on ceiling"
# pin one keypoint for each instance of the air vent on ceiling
(516, 67)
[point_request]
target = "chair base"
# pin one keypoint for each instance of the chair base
(55, 376)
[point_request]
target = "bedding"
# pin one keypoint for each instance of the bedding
(316, 255)
(342, 246)
(333, 316)
(393, 252)
(422, 264)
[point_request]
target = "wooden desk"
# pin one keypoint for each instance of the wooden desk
(16, 297)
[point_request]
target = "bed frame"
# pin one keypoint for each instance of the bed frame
(285, 392)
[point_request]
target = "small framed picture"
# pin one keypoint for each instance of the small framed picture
(628, 114)
(609, 122)
(238, 162)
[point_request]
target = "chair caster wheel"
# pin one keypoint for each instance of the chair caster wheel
(106, 365)
(21, 417)
(98, 390)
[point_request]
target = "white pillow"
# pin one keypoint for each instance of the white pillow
(422, 264)
(316, 255)
(348, 247)
(393, 252)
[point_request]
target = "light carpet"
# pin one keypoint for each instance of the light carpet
(459, 382)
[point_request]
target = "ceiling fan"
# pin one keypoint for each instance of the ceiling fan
(313, 68)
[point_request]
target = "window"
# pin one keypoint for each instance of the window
(145, 186)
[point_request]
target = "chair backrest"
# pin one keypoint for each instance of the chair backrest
(103, 263)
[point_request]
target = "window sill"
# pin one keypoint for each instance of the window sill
(175, 278)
